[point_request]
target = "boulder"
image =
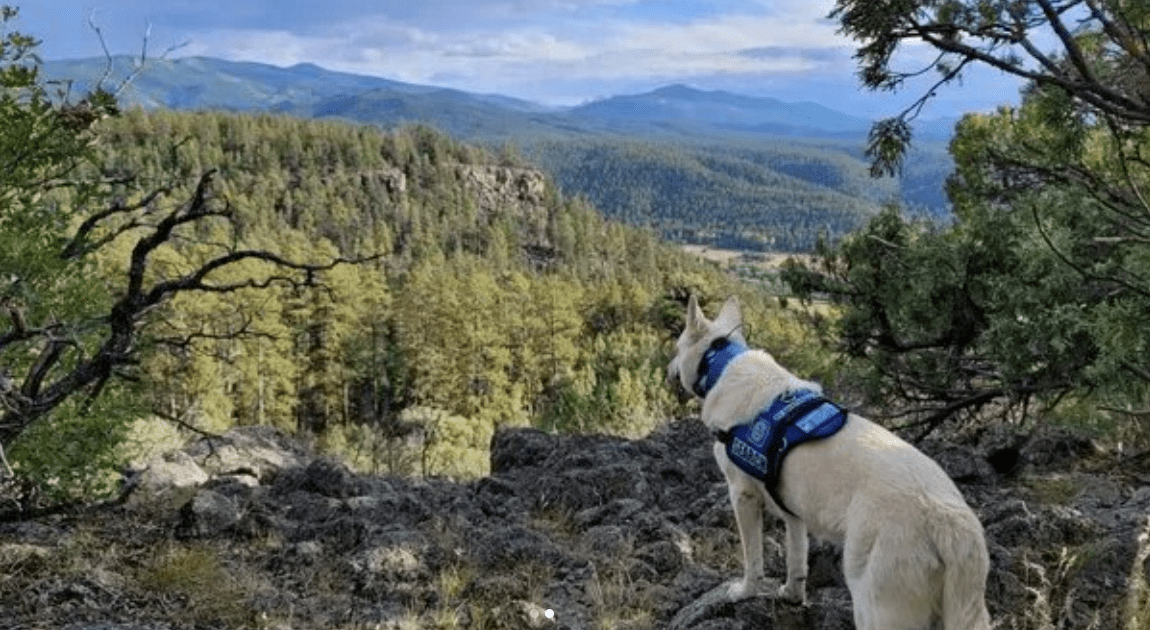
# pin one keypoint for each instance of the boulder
(165, 483)
(258, 451)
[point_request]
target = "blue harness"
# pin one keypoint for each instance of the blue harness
(794, 417)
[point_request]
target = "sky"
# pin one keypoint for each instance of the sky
(555, 52)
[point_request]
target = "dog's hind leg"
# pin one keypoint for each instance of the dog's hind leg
(879, 607)
(893, 579)
(892, 613)
(795, 589)
(856, 552)
(748, 506)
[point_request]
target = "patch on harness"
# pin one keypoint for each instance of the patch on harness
(793, 418)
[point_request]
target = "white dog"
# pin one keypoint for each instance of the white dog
(913, 551)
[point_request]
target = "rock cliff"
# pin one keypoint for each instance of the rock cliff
(253, 530)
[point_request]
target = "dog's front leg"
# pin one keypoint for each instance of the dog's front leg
(748, 506)
(795, 590)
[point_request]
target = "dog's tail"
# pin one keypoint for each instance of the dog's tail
(965, 567)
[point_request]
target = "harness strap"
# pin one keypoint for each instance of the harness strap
(793, 418)
(725, 438)
(811, 417)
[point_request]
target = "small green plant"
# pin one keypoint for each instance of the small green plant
(1053, 489)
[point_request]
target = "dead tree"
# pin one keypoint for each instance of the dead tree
(63, 368)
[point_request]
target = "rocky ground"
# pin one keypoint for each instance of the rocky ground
(254, 530)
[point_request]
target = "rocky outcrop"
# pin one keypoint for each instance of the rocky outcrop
(566, 532)
(518, 195)
(497, 186)
(248, 456)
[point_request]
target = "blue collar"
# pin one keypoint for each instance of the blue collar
(714, 361)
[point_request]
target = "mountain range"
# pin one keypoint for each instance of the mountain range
(307, 89)
(753, 158)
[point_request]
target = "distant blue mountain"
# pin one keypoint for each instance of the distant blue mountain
(663, 155)
(309, 90)
(683, 105)
(208, 83)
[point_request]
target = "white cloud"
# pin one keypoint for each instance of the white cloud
(726, 34)
(526, 45)
(517, 58)
(556, 51)
(280, 48)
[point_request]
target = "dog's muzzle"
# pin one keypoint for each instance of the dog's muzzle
(676, 383)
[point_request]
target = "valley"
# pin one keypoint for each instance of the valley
(704, 167)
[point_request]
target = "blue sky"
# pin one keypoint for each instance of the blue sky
(550, 51)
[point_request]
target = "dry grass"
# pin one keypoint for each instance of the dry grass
(196, 579)
(767, 261)
(719, 549)
(1052, 489)
(616, 603)
(1137, 609)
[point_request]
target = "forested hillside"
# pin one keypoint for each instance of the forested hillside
(736, 195)
(492, 300)
(706, 167)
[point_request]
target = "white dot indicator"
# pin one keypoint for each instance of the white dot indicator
(550, 614)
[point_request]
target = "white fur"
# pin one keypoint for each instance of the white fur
(913, 551)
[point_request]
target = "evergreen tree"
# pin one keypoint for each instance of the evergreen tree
(1038, 292)
(71, 338)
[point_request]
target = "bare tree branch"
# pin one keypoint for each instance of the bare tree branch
(49, 382)
(140, 65)
(964, 33)
(79, 245)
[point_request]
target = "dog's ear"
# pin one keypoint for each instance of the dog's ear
(731, 317)
(695, 318)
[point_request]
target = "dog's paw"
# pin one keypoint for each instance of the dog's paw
(794, 591)
(741, 589)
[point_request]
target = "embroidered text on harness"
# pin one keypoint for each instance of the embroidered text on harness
(793, 418)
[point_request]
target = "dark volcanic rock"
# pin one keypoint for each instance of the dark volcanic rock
(252, 529)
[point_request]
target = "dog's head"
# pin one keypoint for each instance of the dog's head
(697, 336)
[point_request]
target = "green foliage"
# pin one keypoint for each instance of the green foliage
(951, 319)
(49, 303)
(78, 452)
(497, 302)
(1096, 57)
(732, 193)
(37, 148)
(1038, 293)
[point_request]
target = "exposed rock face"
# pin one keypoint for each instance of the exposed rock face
(496, 186)
(515, 194)
(248, 456)
(567, 532)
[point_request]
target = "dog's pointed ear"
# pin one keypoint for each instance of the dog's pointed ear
(731, 317)
(695, 318)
